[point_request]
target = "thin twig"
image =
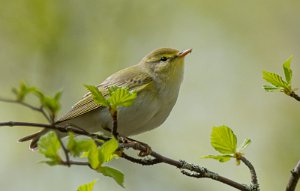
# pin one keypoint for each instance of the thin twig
(28, 124)
(186, 168)
(63, 129)
(70, 162)
(114, 116)
(252, 172)
(294, 178)
(294, 95)
(145, 162)
(158, 158)
(38, 109)
(195, 169)
(204, 173)
(66, 152)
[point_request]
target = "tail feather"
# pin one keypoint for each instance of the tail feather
(34, 138)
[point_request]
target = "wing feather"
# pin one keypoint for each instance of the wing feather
(126, 77)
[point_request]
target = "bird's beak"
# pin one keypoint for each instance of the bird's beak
(184, 53)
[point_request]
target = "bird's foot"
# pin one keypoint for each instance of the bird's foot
(144, 148)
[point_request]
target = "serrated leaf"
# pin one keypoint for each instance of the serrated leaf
(77, 147)
(93, 156)
(287, 70)
(270, 88)
(120, 96)
(107, 150)
(49, 145)
(97, 95)
(57, 96)
(111, 89)
(244, 145)
(87, 187)
(87, 147)
(23, 91)
(223, 140)
(72, 144)
(84, 148)
(114, 173)
(50, 103)
(275, 80)
(220, 158)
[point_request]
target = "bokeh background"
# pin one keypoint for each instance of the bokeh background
(61, 44)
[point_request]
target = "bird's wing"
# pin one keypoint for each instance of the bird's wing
(125, 78)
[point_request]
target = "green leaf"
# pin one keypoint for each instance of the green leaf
(223, 140)
(97, 95)
(93, 156)
(111, 89)
(49, 146)
(121, 96)
(87, 147)
(287, 70)
(87, 187)
(107, 150)
(275, 80)
(244, 145)
(81, 146)
(114, 173)
(270, 88)
(23, 91)
(72, 144)
(50, 103)
(77, 147)
(57, 96)
(220, 158)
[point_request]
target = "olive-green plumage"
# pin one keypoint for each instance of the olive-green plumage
(156, 78)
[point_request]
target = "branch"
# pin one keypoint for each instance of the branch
(295, 175)
(34, 108)
(254, 181)
(294, 95)
(63, 129)
(185, 167)
(78, 163)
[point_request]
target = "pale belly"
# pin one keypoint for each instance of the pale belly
(147, 112)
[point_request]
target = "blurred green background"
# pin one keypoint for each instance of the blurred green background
(60, 44)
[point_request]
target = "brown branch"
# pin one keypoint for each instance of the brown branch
(78, 163)
(63, 129)
(144, 162)
(66, 152)
(34, 108)
(254, 181)
(202, 172)
(185, 168)
(114, 116)
(295, 175)
(158, 158)
(294, 95)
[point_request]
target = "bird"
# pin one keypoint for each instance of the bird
(156, 79)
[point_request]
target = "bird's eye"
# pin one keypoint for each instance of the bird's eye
(163, 58)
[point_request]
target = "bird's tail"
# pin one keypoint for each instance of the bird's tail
(34, 138)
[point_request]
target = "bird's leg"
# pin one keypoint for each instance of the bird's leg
(144, 149)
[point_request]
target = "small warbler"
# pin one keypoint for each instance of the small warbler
(156, 79)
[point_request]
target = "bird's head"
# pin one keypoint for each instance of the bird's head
(165, 63)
